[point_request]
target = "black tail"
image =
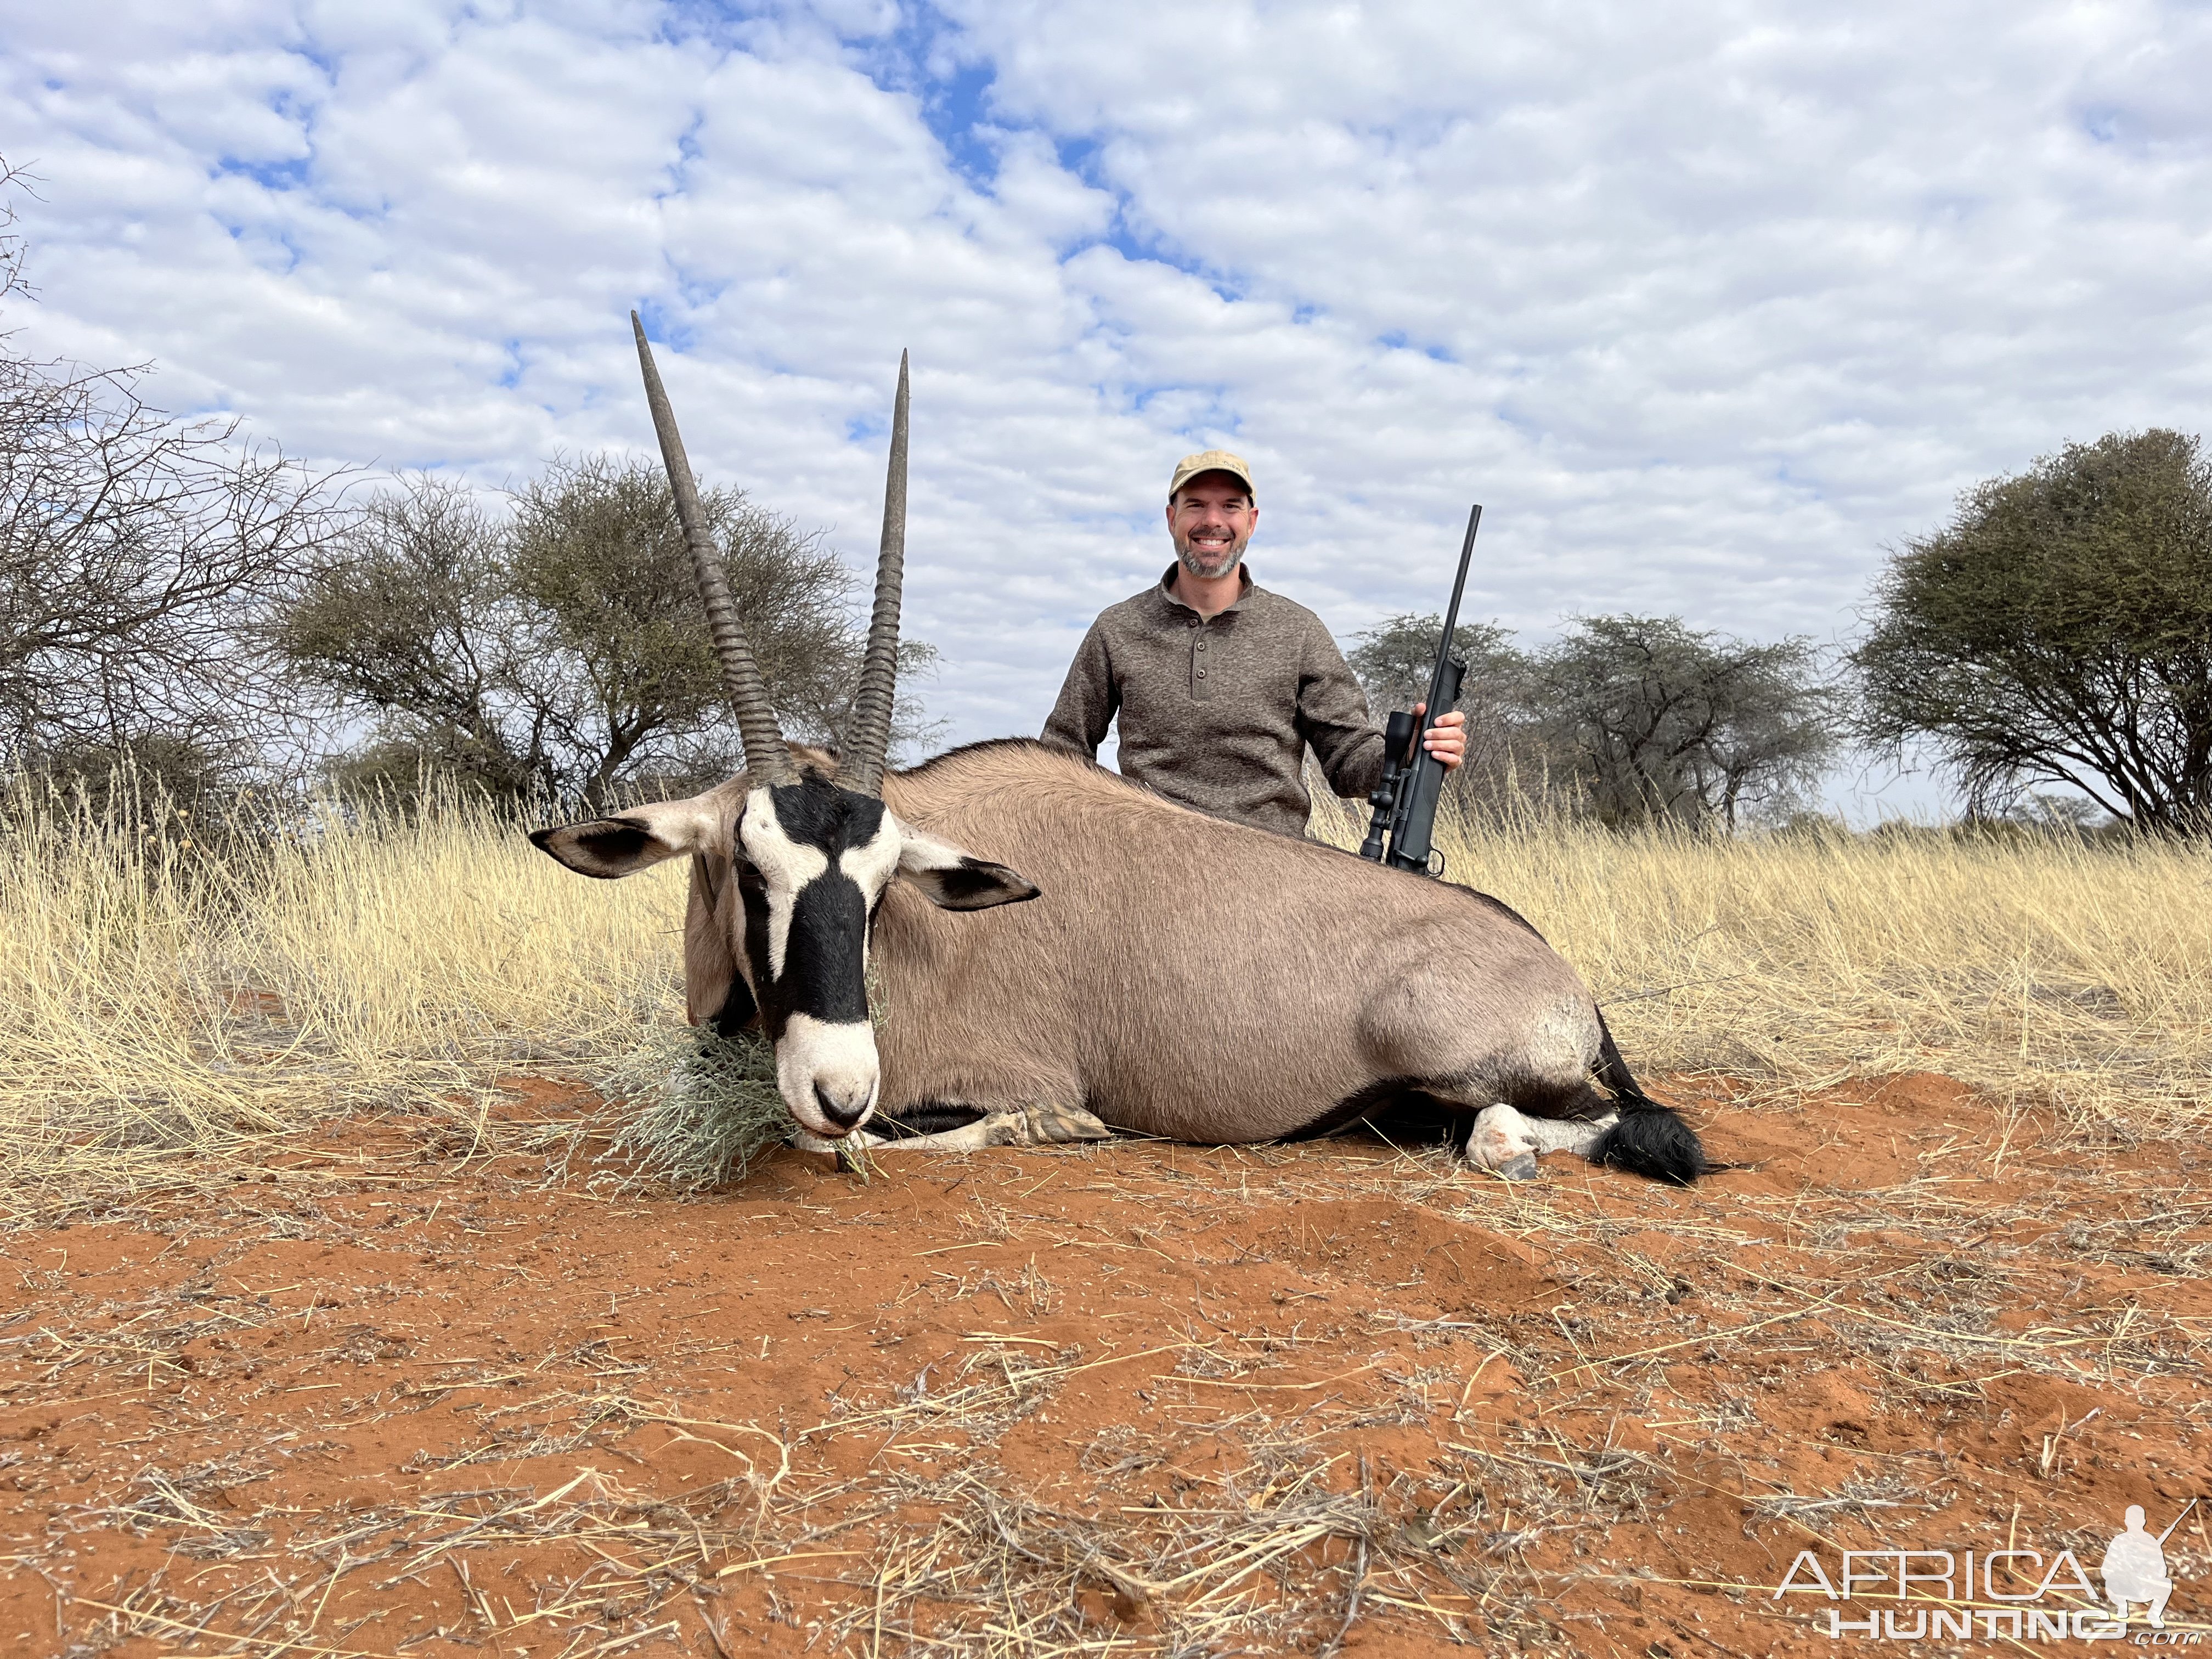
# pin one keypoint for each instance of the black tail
(1649, 1140)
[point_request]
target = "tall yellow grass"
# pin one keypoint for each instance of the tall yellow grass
(2045, 970)
(164, 1001)
(167, 998)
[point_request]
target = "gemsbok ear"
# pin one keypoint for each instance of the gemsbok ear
(953, 880)
(610, 848)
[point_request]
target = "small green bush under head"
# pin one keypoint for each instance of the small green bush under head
(704, 1106)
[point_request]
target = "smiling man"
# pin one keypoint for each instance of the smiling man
(1221, 685)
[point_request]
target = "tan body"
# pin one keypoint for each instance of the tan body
(1183, 976)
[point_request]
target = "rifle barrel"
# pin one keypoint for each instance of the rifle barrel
(2178, 1520)
(1451, 618)
(1413, 820)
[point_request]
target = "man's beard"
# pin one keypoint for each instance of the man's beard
(1207, 563)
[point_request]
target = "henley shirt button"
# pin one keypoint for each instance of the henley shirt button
(1201, 645)
(1201, 673)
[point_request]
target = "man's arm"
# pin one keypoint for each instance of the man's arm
(1334, 716)
(1088, 699)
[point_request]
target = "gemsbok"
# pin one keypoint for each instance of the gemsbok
(1144, 967)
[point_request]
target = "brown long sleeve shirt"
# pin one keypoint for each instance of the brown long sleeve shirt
(1217, 712)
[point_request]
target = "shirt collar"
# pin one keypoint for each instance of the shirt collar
(1243, 590)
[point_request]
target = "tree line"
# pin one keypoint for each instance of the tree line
(1628, 720)
(558, 652)
(2056, 633)
(204, 620)
(215, 614)
(202, 613)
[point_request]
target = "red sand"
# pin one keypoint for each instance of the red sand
(1060, 1401)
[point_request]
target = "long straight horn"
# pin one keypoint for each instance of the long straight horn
(765, 754)
(870, 736)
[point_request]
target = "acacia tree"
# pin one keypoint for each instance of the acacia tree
(1393, 660)
(407, 619)
(562, 650)
(137, 555)
(1658, 720)
(598, 554)
(1640, 717)
(2058, 630)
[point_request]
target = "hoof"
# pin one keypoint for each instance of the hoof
(1500, 1140)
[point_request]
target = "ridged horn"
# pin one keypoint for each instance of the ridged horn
(765, 754)
(870, 734)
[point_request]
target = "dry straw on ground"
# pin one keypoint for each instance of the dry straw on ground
(1131, 1400)
(170, 995)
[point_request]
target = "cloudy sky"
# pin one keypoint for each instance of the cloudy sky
(1707, 303)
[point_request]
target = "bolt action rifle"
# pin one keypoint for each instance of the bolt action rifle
(1401, 833)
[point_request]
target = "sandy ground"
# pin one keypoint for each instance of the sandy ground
(397, 1396)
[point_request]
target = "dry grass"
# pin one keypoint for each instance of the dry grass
(2045, 971)
(696, 1109)
(166, 1000)
(170, 998)
(1131, 1400)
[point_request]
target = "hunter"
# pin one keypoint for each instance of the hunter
(1220, 684)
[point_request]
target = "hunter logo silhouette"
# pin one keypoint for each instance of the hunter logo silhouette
(2134, 1567)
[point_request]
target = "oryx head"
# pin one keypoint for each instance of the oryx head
(792, 862)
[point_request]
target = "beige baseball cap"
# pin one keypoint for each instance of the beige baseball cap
(1210, 460)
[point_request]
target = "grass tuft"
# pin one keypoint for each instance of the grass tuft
(703, 1107)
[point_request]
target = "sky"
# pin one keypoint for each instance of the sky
(1709, 304)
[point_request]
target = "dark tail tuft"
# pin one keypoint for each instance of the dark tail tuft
(1649, 1140)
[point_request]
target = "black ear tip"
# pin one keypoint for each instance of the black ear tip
(1013, 887)
(543, 839)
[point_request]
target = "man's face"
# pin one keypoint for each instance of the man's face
(1211, 518)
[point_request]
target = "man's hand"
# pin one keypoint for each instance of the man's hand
(1447, 738)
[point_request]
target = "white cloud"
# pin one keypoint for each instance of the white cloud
(1706, 306)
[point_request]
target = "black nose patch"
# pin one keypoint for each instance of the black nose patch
(843, 1114)
(824, 962)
